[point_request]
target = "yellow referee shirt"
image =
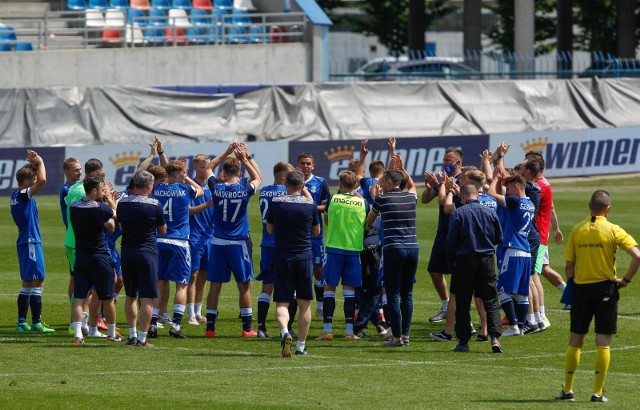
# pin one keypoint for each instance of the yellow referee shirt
(592, 246)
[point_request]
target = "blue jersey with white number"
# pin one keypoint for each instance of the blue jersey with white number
(487, 200)
(319, 190)
(174, 199)
(230, 220)
(516, 219)
(201, 224)
(25, 214)
(267, 194)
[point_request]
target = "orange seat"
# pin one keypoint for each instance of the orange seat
(140, 4)
(202, 4)
(111, 35)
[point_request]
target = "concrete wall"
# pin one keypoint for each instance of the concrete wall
(193, 65)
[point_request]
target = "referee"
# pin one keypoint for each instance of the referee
(591, 261)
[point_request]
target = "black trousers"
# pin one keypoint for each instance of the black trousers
(475, 274)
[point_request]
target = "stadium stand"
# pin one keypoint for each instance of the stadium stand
(202, 4)
(119, 4)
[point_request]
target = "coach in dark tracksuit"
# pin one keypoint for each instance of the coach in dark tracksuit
(474, 230)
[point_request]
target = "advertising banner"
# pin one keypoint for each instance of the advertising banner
(419, 154)
(577, 152)
(121, 161)
(12, 159)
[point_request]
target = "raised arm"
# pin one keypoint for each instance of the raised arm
(144, 165)
(34, 159)
(213, 164)
(254, 176)
(253, 162)
(364, 151)
(495, 189)
(195, 185)
(161, 155)
(485, 165)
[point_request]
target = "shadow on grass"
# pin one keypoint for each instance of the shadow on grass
(524, 401)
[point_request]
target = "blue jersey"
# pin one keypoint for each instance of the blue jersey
(24, 211)
(516, 220)
(88, 219)
(139, 217)
(487, 200)
(365, 186)
(230, 220)
(64, 191)
(175, 199)
(319, 190)
(267, 194)
(201, 224)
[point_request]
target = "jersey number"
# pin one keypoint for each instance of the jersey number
(167, 209)
(225, 209)
(264, 205)
(524, 231)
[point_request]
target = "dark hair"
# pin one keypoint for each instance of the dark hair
(457, 151)
(92, 165)
(600, 200)
(394, 176)
(533, 165)
(468, 189)
(67, 163)
(305, 155)
(231, 167)
(281, 167)
(295, 179)
(91, 182)
(376, 167)
(536, 156)
(515, 178)
(25, 173)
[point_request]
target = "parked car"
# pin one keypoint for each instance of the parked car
(623, 67)
(403, 69)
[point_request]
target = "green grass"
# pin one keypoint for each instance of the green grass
(39, 371)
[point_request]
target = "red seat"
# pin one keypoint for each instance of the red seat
(180, 36)
(277, 35)
(140, 4)
(202, 4)
(111, 35)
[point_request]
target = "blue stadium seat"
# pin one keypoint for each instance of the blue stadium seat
(4, 46)
(223, 4)
(98, 4)
(24, 46)
(155, 35)
(76, 4)
(240, 17)
(119, 4)
(257, 35)
(7, 34)
(236, 34)
(160, 4)
(181, 4)
(133, 13)
(157, 18)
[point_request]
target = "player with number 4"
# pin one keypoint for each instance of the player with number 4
(230, 251)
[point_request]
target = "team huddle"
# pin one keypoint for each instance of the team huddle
(187, 231)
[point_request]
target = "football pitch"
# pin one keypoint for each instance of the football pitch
(49, 371)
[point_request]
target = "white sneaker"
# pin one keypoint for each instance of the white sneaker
(85, 330)
(165, 319)
(95, 334)
(159, 325)
(546, 322)
(193, 321)
(201, 319)
(440, 316)
(511, 331)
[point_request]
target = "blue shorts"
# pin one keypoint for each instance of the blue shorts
(342, 266)
(93, 271)
(292, 278)
(317, 248)
(174, 261)
(230, 256)
(515, 272)
(31, 261)
(140, 273)
(199, 255)
(266, 265)
(115, 258)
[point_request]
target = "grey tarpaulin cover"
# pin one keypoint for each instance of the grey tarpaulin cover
(330, 111)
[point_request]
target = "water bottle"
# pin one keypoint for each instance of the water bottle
(286, 6)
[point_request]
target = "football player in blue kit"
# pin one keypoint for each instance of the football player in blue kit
(230, 247)
(174, 257)
(24, 211)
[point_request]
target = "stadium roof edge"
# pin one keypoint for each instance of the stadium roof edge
(314, 12)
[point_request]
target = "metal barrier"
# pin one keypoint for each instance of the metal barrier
(90, 29)
(488, 65)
